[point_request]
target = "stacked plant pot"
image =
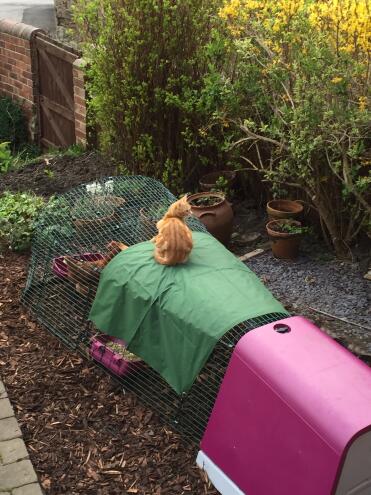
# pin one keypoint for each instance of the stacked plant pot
(284, 228)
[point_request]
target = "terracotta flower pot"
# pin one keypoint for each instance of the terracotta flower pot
(285, 245)
(283, 208)
(217, 217)
(95, 212)
(208, 181)
(113, 201)
(93, 224)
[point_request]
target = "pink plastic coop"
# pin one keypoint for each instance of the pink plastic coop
(293, 417)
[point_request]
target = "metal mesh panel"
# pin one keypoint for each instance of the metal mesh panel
(83, 222)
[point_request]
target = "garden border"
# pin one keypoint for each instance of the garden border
(17, 474)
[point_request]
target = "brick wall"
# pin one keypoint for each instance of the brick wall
(19, 78)
(16, 68)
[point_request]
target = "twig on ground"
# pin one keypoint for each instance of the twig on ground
(251, 254)
(340, 319)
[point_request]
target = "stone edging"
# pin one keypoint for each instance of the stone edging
(17, 475)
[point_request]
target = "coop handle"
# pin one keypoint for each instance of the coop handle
(207, 213)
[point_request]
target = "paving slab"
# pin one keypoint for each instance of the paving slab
(3, 393)
(6, 410)
(16, 475)
(33, 489)
(9, 429)
(12, 451)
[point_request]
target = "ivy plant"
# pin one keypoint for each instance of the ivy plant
(18, 212)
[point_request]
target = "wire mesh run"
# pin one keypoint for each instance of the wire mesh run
(76, 235)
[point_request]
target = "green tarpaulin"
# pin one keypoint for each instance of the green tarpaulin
(172, 317)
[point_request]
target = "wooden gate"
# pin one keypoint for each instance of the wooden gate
(56, 92)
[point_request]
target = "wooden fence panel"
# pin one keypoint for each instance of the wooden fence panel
(56, 93)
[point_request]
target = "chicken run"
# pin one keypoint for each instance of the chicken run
(204, 344)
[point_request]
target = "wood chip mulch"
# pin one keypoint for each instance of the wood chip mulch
(83, 434)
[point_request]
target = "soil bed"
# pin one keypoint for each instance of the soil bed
(66, 172)
(83, 434)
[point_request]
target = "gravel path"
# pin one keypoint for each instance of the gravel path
(336, 288)
(333, 287)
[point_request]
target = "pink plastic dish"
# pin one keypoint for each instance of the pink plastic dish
(110, 359)
(60, 268)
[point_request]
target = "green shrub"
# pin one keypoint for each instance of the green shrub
(13, 127)
(6, 158)
(306, 69)
(9, 160)
(154, 81)
(17, 215)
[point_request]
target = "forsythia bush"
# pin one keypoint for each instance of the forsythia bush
(305, 68)
(153, 71)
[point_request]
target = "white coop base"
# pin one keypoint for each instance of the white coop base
(221, 482)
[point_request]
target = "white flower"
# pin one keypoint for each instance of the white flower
(94, 188)
(108, 186)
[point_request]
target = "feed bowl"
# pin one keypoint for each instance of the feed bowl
(60, 268)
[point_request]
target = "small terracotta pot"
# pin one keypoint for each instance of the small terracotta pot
(284, 245)
(115, 202)
(208, 181)
(217, 218)
(93, 223)
(283, 208)
(109, 205)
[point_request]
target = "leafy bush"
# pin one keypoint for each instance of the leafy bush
(17, 215)
(290, 228)
(13, 127)
(154, 82)
(306, 69)
(9, 160)
(6, 158)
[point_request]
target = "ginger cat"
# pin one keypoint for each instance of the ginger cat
(174, 239)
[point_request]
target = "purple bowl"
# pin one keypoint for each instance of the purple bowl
(60, 268)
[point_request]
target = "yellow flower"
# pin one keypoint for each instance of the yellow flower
(230, 10)
(336, 80)
(347, 23)
(362, 103)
